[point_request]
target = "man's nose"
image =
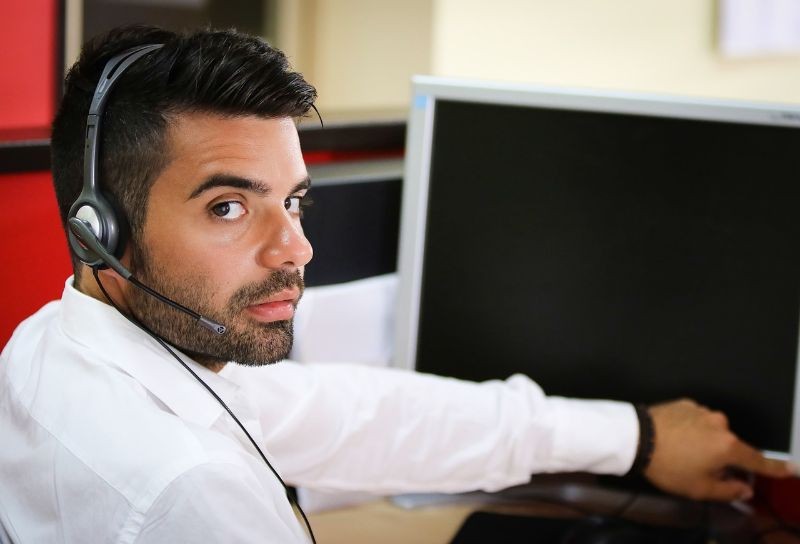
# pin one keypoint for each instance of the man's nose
(284, 243)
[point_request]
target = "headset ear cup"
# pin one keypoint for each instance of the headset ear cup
(121, 225)
(86, 255)
(94, 210)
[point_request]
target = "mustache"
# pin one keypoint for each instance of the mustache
(276, 282)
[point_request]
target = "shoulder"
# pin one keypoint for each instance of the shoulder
(28, 334)
(85, 426)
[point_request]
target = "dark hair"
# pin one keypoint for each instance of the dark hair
(220, 72)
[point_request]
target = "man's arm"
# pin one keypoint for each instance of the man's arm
(353, 427)
(694, 450)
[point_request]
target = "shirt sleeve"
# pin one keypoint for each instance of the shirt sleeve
(353, 427)
(215, 503)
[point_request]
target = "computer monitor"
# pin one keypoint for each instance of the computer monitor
(607, 245)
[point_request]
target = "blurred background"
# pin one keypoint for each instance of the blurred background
(361, 54)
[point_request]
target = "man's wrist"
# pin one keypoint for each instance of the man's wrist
(647, 440)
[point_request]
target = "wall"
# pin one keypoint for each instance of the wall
(643, 45)
(361, 54)
(35, 257)
(27, 55)
(358, 53)
(36, 260)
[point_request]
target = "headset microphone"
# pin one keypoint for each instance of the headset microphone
(86, 236)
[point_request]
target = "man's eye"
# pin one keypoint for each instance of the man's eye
(296, 204)
(293, 204)
(228, 210)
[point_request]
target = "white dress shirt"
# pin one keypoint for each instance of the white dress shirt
(106, 438)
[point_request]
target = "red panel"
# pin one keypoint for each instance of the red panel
(779, 498)
(35, 257)
(27, 63)
(329, 156)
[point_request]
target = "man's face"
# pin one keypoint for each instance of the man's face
(222, 236)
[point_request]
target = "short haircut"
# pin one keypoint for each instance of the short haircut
(205, 71)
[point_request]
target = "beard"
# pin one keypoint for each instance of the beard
(246, 341)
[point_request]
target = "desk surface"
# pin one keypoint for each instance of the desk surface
(381, 521)
(384, 522)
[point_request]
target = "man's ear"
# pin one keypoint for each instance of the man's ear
(115, 284)
(107, 274)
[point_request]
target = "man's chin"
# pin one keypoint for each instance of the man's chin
(257, 344)
(269, 343)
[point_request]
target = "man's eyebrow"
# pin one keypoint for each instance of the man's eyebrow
(305, 184)
(226, 180)
(236, 182)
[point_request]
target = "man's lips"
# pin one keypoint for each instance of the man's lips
(278, 307)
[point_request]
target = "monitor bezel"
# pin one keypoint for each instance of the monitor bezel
(427, 90)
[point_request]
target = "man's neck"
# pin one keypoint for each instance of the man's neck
(86, 284)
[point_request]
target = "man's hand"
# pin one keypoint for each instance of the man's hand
(694, 448)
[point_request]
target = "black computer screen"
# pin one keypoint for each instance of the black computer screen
(617, 256)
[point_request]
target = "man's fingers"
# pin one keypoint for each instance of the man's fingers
(701, 471)
(727, 490)
(775, 469)
(751, 459)
(719, 419)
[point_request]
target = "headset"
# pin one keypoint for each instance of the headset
(92, 207)
(97, 233)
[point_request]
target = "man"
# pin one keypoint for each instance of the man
(107, 438)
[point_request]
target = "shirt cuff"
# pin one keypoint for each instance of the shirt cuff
(598, 436)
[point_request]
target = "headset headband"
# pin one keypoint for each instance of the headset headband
(111, 73)
(91, 207)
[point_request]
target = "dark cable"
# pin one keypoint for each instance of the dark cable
(620, 511)
(321, 123)
(164, 344)
(160, 297)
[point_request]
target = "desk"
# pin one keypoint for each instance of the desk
(383, 522)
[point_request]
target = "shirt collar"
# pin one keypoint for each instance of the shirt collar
(115, 341)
